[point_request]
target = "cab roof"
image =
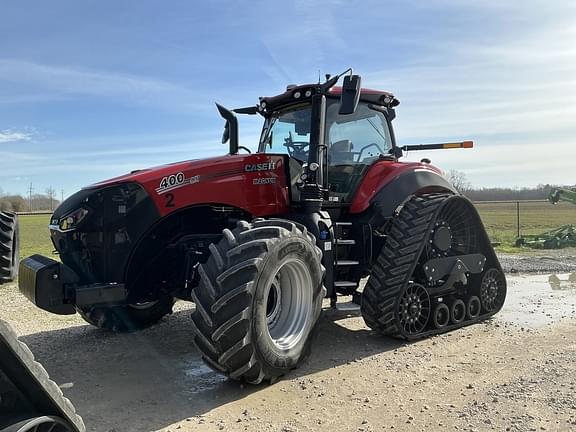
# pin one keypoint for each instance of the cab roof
(303, 93)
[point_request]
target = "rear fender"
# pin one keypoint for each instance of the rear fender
(390, 198)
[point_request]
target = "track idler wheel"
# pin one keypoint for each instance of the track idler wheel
(441, 316)
(492, 290)
(414, 309)
(458, 312)
(473, 308)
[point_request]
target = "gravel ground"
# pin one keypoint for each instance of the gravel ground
(540, 261)
(514, 372)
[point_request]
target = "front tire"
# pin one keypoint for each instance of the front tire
(258, 300)
(127, 318)
(9, 247)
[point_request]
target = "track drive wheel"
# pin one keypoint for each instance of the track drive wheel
(128, 318)
(9, 247)
(258, 300)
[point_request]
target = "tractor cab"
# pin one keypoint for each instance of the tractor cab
(353, 142)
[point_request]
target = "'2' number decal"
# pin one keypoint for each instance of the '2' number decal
(169, 200)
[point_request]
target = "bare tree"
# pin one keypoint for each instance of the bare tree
(459, 180)
(51, 194)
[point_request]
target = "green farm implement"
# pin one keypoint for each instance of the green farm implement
(558, 238)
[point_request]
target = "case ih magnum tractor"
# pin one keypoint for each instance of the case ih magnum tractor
(257, 241)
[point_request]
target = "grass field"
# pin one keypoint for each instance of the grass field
(499, 219)
(34, 235)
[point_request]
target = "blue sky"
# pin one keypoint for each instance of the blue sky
(92, 89)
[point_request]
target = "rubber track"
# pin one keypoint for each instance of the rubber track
(223, 298)
(40, 384)
(7, 227)
(396, 263)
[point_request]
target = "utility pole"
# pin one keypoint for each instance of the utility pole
(61, 196)
(51, 195)
(30, 190)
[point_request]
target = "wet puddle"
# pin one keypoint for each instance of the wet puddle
(535, 301)
(200, 377)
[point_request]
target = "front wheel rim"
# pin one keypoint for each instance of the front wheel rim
(288, 300)
(143, 305)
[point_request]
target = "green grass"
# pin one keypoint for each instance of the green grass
(34, 235)
(499, 220)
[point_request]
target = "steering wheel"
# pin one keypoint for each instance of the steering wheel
(366, 147)
(296, 149)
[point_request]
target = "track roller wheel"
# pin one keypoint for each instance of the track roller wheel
(457, 311)
(441, 316)
(258, 300)
(473, 308)
(492, 290)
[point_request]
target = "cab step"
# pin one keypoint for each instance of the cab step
(341, 263)
(345, 284)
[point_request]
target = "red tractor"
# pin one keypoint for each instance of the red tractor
(257, 241)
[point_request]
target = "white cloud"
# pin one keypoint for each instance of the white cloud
(8, 135)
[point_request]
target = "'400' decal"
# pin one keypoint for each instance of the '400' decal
(174, 181)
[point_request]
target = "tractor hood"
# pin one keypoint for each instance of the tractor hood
(146, 174)
(255, 183)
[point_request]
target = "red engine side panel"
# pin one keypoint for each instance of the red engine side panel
(255, 183)
(378, 176)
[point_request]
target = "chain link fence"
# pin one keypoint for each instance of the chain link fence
(505, 221)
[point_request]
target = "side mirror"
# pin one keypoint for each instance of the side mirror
(226, 133)
(350, 94)
(230, 129)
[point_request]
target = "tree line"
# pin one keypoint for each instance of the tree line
(460, 182)
(33, 202)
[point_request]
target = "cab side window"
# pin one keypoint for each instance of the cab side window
(357, 138)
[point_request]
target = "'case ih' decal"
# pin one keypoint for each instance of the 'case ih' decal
(266, 166)
(175, 181)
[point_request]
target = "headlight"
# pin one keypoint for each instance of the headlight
(71, 220)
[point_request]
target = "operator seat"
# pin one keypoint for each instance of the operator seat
(341, 166)
(341, 153)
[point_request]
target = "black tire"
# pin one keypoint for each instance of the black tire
(247, 288)
(29, 391)
(396, 263)
(9, 247)
(128, 318)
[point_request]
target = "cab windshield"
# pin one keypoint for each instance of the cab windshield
(354, 142)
